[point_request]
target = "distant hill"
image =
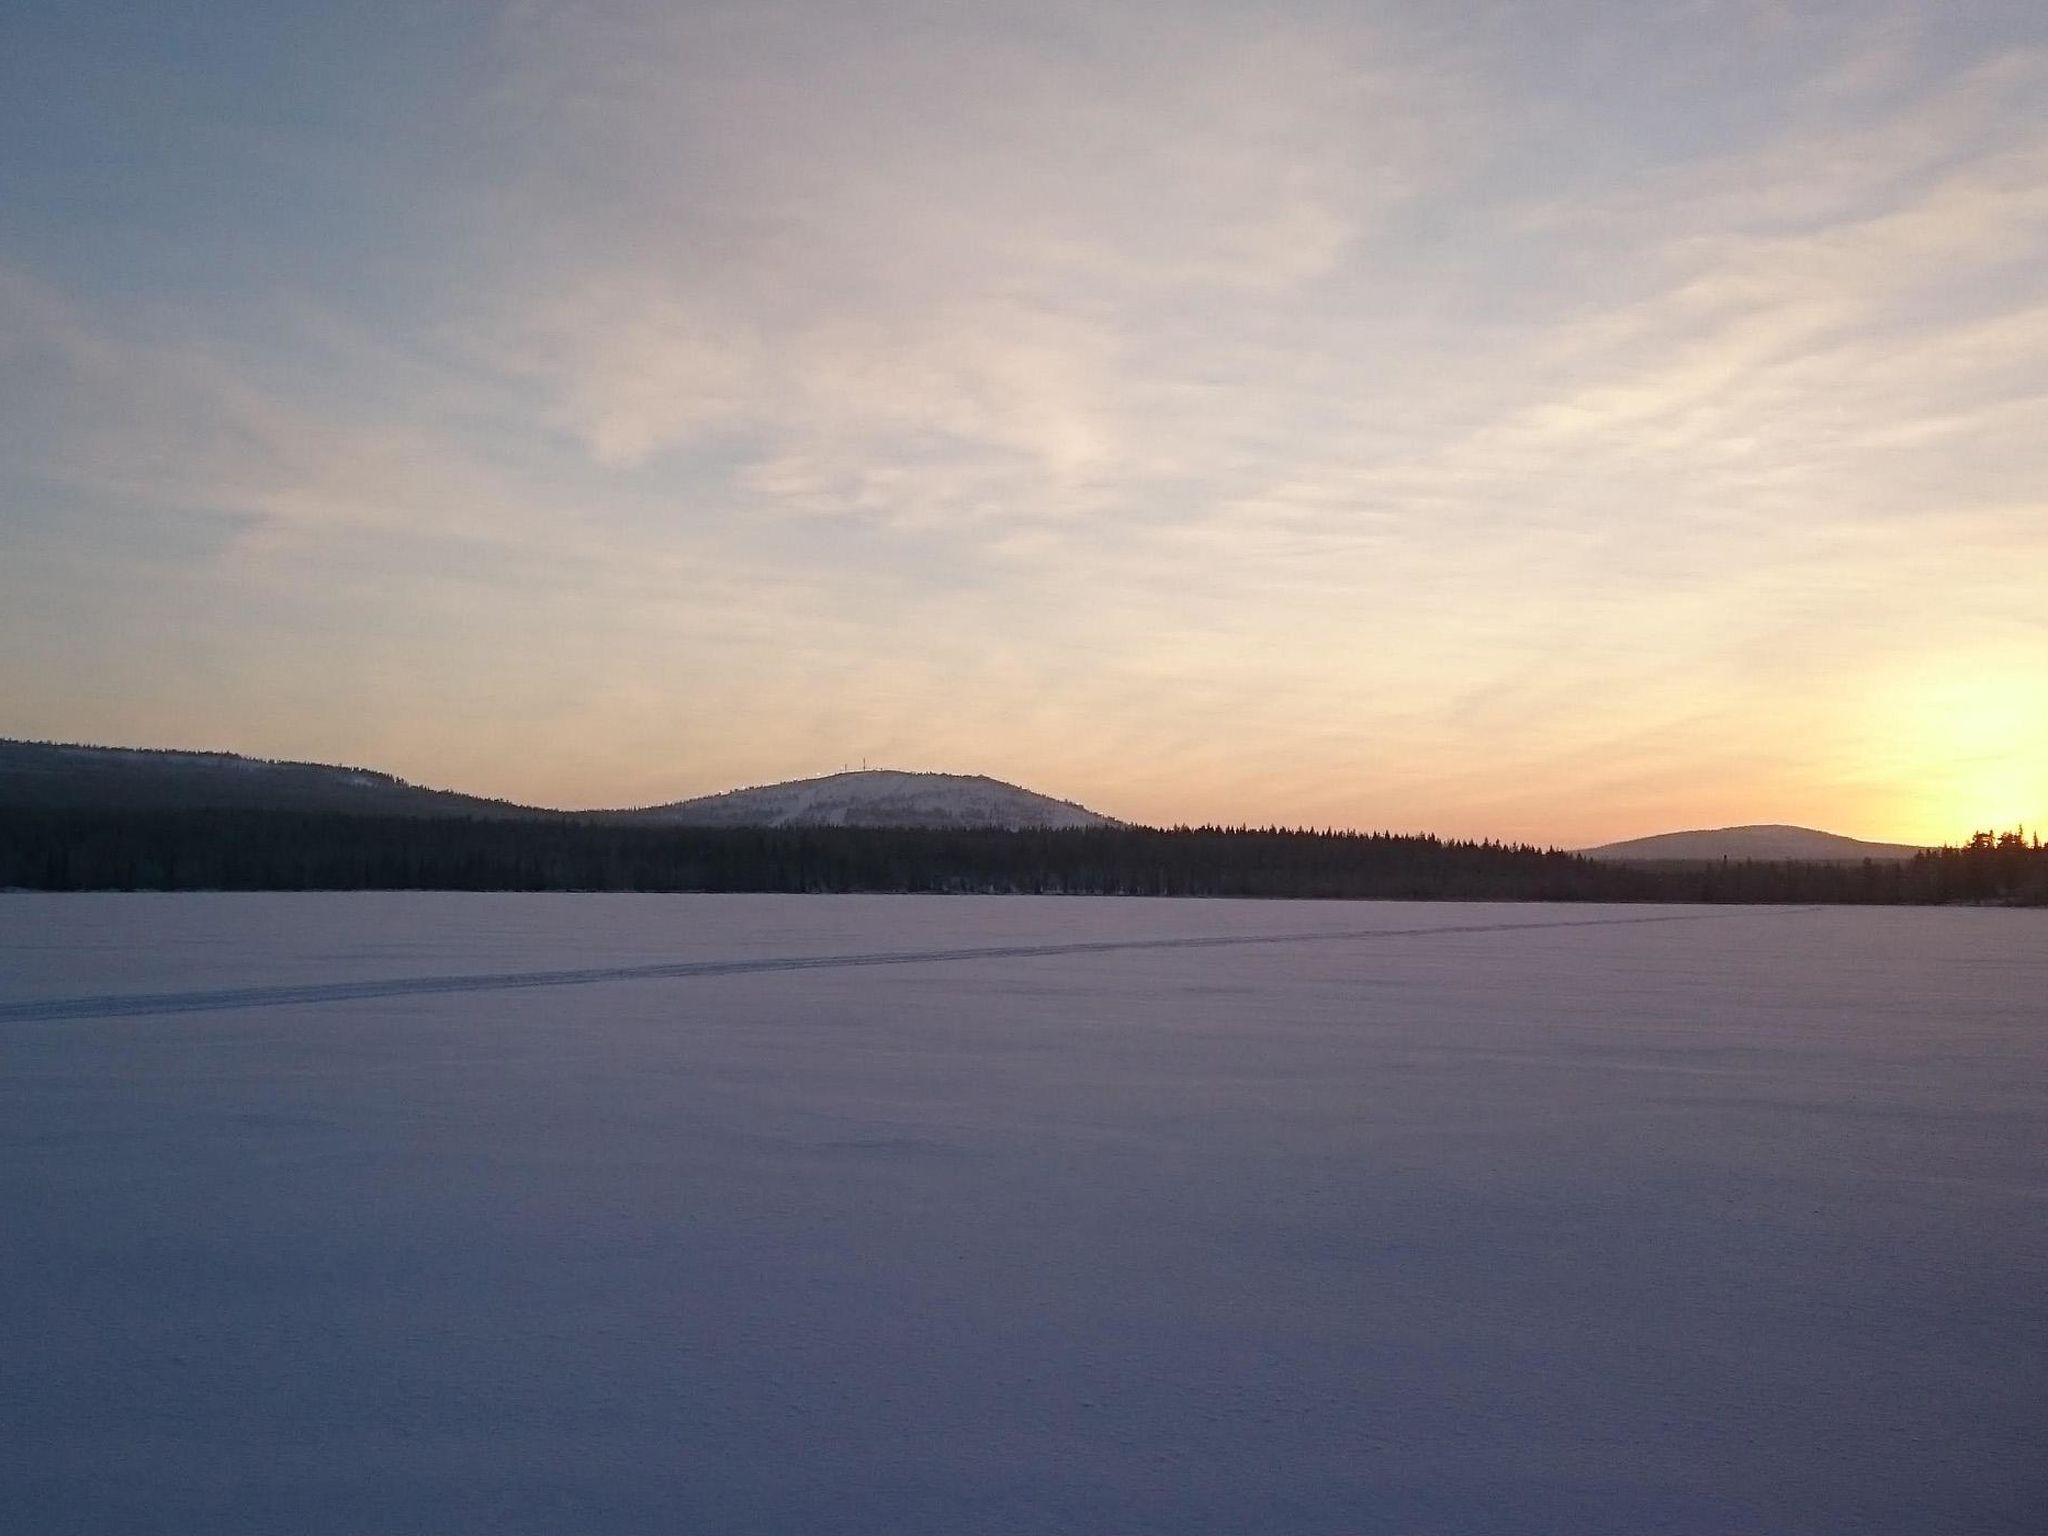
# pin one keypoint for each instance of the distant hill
(58, 776)
(1765, 842)
(876, 798)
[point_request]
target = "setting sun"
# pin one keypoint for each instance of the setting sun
(1972, 751)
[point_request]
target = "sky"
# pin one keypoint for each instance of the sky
(1557, 422)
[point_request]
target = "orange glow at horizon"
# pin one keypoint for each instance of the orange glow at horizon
(1972, 739)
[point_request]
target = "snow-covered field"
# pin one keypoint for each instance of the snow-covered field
(444, 1213)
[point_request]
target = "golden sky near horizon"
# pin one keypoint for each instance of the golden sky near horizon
(1560, 427)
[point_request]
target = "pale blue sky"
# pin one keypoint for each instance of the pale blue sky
(1558, 421)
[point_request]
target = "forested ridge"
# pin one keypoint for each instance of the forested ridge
(59, 849)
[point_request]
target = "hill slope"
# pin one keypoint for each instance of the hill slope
(39, 775)
(56, 776)
(1761, 842)
(877, 798)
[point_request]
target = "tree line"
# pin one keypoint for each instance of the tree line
(58, 849)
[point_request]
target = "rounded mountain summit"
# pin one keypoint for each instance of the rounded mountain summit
(878, 797)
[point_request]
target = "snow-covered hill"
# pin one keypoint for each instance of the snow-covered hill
(52, 775)
(1763, 842)
(879, 798)
(55, 775)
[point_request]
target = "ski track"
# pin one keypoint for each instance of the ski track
(141, 1004)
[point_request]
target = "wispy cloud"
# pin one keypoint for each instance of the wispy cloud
(1320, 414)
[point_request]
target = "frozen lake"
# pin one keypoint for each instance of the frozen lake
(600, 1214)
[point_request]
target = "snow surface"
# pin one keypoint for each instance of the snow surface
(697, 1214)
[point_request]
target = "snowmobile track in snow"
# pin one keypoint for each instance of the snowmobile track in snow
(139, 1004)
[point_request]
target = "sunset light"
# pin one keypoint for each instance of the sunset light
(1023, 767)
(1972, 753)
(1324, 415)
